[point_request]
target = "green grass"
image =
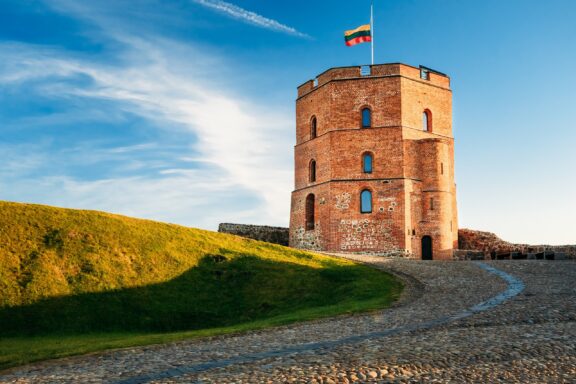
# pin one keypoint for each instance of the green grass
(73, 282)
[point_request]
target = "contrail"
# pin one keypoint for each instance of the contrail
(249, 17)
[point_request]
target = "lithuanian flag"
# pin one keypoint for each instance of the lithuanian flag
(358, 35)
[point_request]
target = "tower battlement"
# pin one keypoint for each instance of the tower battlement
(378, 70)
(374, 162)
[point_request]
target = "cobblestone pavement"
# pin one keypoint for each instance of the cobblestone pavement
(430, 336)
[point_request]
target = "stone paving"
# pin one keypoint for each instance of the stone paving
(430, 336)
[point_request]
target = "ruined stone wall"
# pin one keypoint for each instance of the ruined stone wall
(491, 246)
(276, 235)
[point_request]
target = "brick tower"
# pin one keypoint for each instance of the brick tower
(374, 163)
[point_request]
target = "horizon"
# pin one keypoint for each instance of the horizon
(182, 111)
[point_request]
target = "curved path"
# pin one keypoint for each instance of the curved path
(456, 322)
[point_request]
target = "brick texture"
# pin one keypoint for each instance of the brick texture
(412, 181)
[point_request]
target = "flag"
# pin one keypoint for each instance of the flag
(358, 35)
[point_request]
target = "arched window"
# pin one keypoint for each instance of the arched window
(312, 174)
(366, 118)
(310, 212)
(313, 128)
(427, 120)
(367, 160)
(366, 201)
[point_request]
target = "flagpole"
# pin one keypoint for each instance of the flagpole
(372, 27)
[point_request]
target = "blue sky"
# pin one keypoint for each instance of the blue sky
(183, 110)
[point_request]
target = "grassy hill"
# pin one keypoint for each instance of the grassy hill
(75, 281)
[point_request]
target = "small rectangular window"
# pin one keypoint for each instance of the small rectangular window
(365, 70)
(431, 203)
(424, 74)
(316, 82)
(441, 168)
(367, 163)
(312, 171)
(366, 118)
(426, 121)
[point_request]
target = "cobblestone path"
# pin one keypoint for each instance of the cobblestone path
(457, 322)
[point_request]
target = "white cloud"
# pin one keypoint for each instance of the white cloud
(249, 16)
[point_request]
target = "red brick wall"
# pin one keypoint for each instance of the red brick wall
(337, 105)
(410, 166)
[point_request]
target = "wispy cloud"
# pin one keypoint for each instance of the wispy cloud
(247, 163)
(249, 17)
(176, 199)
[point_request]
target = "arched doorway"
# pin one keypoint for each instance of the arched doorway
(426, 248)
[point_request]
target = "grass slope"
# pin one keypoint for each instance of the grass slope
(78, 281)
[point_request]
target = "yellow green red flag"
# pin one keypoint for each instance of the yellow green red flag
(359, 35)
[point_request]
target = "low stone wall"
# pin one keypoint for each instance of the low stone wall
(474, 245)
(275, 235)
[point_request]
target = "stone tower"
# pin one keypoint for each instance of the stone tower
(374, 163)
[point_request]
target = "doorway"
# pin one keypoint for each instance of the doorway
(426, 248)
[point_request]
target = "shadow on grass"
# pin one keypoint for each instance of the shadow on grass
(220, 291)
